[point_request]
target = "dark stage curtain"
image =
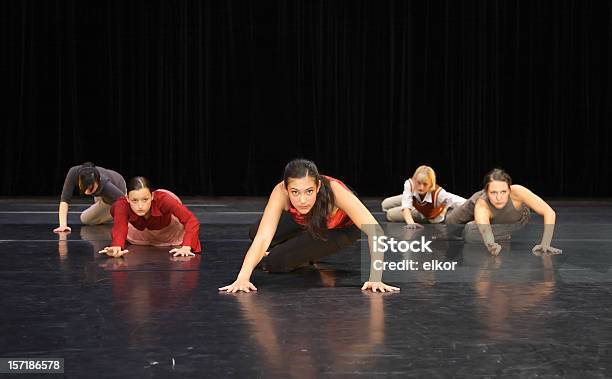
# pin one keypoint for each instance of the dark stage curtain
(213, 98)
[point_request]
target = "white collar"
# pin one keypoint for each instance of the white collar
(427, 199)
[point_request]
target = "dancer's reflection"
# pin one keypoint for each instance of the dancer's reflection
(62, 246)
(96, 236)
(139, 297)
(508, 297)
(289, 349)
(178, 279)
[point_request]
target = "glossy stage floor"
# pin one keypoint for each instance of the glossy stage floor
(148, 315)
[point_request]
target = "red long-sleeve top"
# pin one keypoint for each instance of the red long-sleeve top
(163, 206)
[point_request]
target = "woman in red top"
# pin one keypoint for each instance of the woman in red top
(308, 216)
(156, 218)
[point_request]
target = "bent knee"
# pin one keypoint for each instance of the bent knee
(85, 220)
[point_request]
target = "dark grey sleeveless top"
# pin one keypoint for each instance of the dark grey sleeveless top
(508, 214)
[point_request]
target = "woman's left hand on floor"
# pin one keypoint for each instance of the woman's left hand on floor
(378, 286)
(62, 229)
(184, 251)
(545, 250)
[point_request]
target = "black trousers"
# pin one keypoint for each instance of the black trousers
(293, 246)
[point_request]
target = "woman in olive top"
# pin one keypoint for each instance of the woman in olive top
(506, 207)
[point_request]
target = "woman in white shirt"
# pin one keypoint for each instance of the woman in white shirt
(422, 202)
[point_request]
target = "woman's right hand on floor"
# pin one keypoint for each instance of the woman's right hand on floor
(60, 229)
(494, 248)
(113, 251)
(239, 285)
(379, 286)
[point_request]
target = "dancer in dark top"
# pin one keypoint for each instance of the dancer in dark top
(104, 185)
(507, 206)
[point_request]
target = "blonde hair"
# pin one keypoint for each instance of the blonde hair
(428, 172)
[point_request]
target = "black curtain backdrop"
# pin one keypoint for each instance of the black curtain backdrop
(213, 98)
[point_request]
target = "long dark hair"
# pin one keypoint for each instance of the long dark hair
(138, 183)
(498, 175)
(316, 219)
(88, 177)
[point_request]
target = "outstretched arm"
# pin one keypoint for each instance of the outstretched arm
(482, 217)
(407, 206)
(191, 240)
(66, 196)
(540, 207)
(119, 211)
(261, 242)
(410, 224)
(63, 218)
(363, 219)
